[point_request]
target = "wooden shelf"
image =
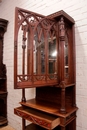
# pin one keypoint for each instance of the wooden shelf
(36, 127)
(3, 120)
(2, 78)
(48, 107)
(39, 105)
(3, 92)
(37, 117)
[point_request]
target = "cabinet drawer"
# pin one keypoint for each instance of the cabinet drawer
(37, 117)
(37, 127)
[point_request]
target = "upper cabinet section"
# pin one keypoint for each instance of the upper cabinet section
(43, 49)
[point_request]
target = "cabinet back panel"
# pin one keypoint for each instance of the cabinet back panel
(53, 95)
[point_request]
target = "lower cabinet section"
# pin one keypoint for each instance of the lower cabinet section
(45, 121)
(70, 126)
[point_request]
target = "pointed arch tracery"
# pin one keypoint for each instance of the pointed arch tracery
(34, 35)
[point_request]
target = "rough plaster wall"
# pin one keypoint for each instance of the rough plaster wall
(78, 10)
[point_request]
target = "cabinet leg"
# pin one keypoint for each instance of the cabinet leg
(63, 128)
(23, 124)
(23, 95)
(62, 109)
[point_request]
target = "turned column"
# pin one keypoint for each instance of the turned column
(62, 109)
(61, 60)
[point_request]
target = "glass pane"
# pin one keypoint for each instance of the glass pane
(66, 56)
(39, 56)
(52, 54)
(22, 53)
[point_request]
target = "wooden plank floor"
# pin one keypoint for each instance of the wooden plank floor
(6, 128)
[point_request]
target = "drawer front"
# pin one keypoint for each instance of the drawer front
(34, 119)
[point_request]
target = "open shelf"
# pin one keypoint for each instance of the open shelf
(3, 120)
(2, 78)
(39, 105)
(36, 127)
(48, 107)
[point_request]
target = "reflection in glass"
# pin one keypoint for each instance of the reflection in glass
(66, 56)
(39, 56)
(52, 65)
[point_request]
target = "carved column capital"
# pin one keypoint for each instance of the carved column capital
(62, 84)
(62, 29)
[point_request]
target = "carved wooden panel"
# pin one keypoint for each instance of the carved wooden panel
(34, 33)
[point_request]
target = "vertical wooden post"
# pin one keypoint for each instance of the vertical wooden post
(23, 124)
(24, 28)
(74, 53)
(62, 109)
(61, 47)
(23, 95)
(63, 128)
(61, 51)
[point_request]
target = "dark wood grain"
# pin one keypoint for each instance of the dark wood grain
(55, 79)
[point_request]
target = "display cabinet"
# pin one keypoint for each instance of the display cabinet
(3, 78)
(44, 58)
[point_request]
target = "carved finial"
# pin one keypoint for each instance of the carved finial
(25, 29)
(62, 29)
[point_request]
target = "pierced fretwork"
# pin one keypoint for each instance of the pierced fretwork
(33, 35)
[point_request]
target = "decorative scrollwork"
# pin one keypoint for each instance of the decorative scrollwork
(24, 78)
(33, 119)
(35, 78)
(33, 21)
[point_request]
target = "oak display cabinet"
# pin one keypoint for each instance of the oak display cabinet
(44, 58)
(3, 78)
